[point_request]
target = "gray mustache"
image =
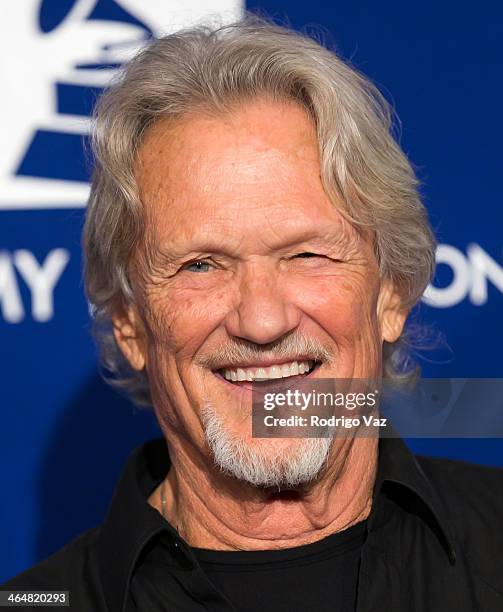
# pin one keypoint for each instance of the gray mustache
(286, 348)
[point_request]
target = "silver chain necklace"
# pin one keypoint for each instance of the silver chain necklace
(163, 499)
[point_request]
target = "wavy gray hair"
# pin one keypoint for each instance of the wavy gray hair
(211, 68)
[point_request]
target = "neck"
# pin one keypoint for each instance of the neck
(211, 510)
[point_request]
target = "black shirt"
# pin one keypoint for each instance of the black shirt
(433, 542)
(321, 576)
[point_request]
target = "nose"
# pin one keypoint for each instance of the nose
(263, 313)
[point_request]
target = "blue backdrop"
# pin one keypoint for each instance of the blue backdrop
(65, 434)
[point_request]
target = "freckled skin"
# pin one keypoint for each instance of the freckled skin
(242, 193)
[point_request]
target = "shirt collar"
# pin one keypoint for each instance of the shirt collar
(131, 522)
(399, 474)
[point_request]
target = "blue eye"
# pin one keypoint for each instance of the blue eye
(197, 266)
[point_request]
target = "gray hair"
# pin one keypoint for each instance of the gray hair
(211, 68)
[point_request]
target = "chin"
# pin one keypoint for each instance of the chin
(260, 462)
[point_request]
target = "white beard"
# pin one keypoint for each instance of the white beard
(263, 465)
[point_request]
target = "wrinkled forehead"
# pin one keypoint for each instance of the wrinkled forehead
(253, 174)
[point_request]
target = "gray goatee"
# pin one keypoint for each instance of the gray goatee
(264, 465)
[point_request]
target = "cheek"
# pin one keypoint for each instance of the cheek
(345, 307)
(179, 324)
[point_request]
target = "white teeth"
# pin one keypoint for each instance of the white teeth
(260, 374)
(285, 370)
(276, 371)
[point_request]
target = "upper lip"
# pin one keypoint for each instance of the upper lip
(266, 363)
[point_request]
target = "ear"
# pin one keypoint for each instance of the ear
(390, 312)
(129, 333)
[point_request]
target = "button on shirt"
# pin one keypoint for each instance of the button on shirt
(432, 542)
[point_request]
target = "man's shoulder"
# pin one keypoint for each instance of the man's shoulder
(463, 486)
(472, 496)
(63, 569)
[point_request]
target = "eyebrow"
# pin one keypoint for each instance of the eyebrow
(172, 253)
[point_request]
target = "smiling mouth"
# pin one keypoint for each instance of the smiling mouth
(258, 376)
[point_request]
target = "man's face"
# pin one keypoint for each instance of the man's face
(246, 263)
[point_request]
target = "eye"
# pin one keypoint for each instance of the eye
(197, 266)
(308, 254)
